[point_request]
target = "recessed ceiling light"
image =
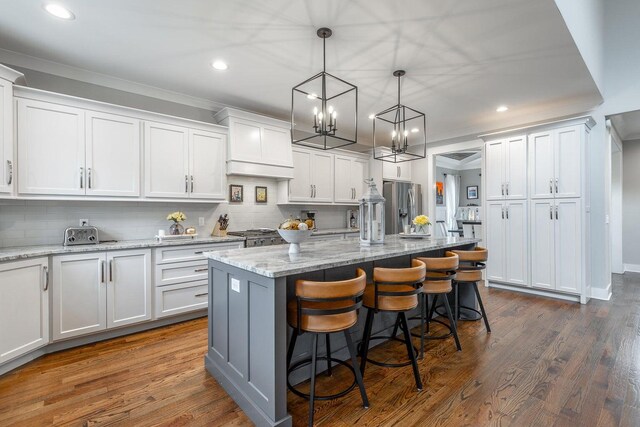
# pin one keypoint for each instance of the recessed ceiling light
(59, 11)
(219, 65)
(312, 96)
(372, 116)
(502, 109)
(415, 130)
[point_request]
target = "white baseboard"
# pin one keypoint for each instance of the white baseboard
(632, 268)
(602, 294)
(534, 291)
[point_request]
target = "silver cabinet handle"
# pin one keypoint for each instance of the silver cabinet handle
(45, 271)
(200, 270)
(89, 177)
(192, 183)
(102, 265)
(311, 188)
(551, 186)
(507, 211)
(398, 167)
(198, 252)
(556, 212)
(10, 169)
(81, 177)
(551, 212)
(502, 187)
(507, 187)
(111, 270)
(502, 213)
(556, 185)
(314, 191)
(204, 294)
(186, 183)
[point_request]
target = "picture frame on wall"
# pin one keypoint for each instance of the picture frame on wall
(261, 194)
(236, 193)
(439, 193)
(472, 192)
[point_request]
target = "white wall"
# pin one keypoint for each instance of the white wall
(631, 205)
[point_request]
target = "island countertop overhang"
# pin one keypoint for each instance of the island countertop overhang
(275, 261)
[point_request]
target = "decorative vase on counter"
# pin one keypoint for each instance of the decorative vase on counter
(421, 229)
(176, 229)
(422, 224)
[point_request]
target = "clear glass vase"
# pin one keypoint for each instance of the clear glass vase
(421, 229)
(176, 229)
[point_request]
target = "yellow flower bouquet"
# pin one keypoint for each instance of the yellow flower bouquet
(421, 222)
(176, 216)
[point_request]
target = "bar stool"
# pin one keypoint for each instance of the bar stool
(393, 290)
(470, 273)
(326, 308)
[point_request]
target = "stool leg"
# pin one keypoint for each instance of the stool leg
(452, 324)
(312, 391)
(356, 368)
(423, 302)
(328, 345)
(365, 340)
(433, 306)
(456, 300)
(395, 327)
(412, 355)
(484, 313)
(292, 345)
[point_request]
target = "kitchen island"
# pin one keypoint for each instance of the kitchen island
(248, 292)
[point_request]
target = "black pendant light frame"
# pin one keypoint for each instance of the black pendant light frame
(399, 116)
(321, 131)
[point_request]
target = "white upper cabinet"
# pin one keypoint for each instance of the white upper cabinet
(300, 188)
(51, 149)
(258, 145)
(396, 171)
(112, 155)
(207, 155)
(556, 158)
(313, 177)
(166, 150)
(322, 177)
(350, 173)
(7, 166)
(506, 168)
(24, 307)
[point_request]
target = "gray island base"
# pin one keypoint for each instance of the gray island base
(248, 331)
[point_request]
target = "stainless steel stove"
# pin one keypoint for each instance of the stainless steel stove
(259, 237)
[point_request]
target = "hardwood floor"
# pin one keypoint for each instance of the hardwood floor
(547, 363)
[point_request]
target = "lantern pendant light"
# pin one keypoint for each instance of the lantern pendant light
(315, 105)
(399, 132)
(372, 216)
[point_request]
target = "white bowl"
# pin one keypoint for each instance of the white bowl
(294, 237)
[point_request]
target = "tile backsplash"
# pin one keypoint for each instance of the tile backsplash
(31, 222)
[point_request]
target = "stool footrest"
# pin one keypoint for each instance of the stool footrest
(306, 362)
(433, 337)
(388, 365)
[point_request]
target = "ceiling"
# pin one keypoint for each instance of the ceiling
(463, 57)
(627, 125)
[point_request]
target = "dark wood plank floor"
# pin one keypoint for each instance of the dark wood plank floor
(547, 363)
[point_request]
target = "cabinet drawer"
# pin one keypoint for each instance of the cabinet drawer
(183, 298)
(191, 252)
(180, 272)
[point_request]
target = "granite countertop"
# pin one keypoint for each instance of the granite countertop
(330, 231)
(275, 261)
(16, 253)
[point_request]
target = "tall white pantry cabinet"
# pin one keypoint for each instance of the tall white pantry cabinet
(537, 209)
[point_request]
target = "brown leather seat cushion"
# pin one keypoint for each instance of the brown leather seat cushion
(323, 323)
(469, 276)
(436, 287)
(390, 303)
(477, 254)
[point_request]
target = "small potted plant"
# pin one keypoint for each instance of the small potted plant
(421, 222)
(176, 228)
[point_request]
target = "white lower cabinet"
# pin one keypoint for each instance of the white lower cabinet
(100, 290)
(507, 242)
(556, 245)
(24, 307)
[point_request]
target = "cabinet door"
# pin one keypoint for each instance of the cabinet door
(128, 287)
(541, 159)
(7, 167)
(542, 244)
(390, 171)
(300, 186)
(405, 171)
(343, 180)
(516, 168)
(246, 143)
(50, 149)
(276, 146)
(322, 177)
(568, 149)
(568, 235)
(496, 241)
(207, 159)
(112, 155)
(79, 294)
(24, 307)
(166, 160)
(516, 254)
(359, 172)
(495, 169)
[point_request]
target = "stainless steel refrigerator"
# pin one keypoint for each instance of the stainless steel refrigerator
(403, 203)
